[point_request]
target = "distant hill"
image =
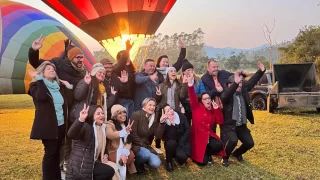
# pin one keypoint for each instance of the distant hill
(262, 50)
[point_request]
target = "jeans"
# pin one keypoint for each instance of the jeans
(129, 105)
(145, 156)
(230, 137)
(51, 158)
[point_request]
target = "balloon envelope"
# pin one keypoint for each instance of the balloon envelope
(20, 26)
(109, 19)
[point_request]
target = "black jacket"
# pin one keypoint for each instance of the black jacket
(180, 133)
(65, 71)
(45, 124)
(227, 98)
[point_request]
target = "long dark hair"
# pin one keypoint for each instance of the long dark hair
(118, 127)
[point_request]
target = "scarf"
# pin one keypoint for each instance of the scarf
(162, 70)
(239, 112)
(77, 68)
(151, 120)
(170, 95)
(102, 90)
(57, 98)
(101, 142)
(174, 120)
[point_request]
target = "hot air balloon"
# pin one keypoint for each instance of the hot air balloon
(111, 22)
(20, 26)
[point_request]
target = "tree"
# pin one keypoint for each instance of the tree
(267, 35)
(304, 48)
(98, 55)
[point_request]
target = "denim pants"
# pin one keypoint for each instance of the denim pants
(129, 105)
(145, 156)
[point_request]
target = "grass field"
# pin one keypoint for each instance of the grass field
(287, 146)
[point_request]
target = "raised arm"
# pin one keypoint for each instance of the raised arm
(256, 77)
(38, 89)
(181, 58)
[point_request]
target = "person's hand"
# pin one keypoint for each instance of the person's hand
(181, 44)
(84, 113)
(129, 126)
(158, 92)
(124, 158)
(237, 77)
(129, 45)
(219, 89)
(154, 77)
(66, 83)
(105, 159)
(190, 78)
(112, 90)
(260, 66)
(163, 117)
(38, 43)
(32, 73)
(185, 78)
(215, 105)
(87, 78)
(124, 77)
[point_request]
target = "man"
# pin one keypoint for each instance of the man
(236, 112)
(146, 82)
(69, 68)
(119, 84)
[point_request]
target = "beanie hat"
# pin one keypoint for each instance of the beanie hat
(186, 65)
(105, 61)
(169, 68)
(116, 109)
(73, 52)
(95, 68)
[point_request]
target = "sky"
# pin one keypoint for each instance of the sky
(226, 23)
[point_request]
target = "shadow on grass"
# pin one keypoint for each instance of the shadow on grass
(214, 170)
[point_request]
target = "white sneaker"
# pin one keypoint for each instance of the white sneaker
(159, 151)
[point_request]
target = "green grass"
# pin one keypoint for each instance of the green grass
(287, 146)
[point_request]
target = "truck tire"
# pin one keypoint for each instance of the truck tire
(259, 102)
(270, 106)
(318, 110)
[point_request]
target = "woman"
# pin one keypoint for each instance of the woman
(91, 90)
(88, 159)
(143, 129)
(170, 92)
(199, 88)
(205, 114)
(50, 116)
(120, 141)
(163, 62)
(175, 131)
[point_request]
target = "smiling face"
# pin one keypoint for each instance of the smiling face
(169, 111)
(172, 74)
(149, 107)
(108, 68)
(49, 72)
(164, 62)
(212, 68)
(99, 116)
(100, 75)
(121, 117)
(149, 67)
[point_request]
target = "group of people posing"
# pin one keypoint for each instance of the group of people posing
(101, 124)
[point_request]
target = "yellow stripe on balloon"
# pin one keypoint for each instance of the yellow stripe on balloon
(49, 41)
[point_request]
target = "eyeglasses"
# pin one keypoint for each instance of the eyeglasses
(206, 99)
(79, 57)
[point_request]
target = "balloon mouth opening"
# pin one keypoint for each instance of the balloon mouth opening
(113, 46)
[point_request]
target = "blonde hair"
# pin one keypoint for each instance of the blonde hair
(43, 66)
(146, 100)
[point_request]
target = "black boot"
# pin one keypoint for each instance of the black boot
(169, 166)
(225, 162)
(140, 168)
(238, 157)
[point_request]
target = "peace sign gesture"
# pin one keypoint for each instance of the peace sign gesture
(163, 117)
(37, 44)
(215, 105)
(87, 78)
(124, 77)
(158, 92)
(84, 113)
(129, 126)
(113, 91)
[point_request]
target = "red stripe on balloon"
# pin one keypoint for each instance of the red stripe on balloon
(56, 5)
(86, 9)
(10, 8)
(169, 6)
